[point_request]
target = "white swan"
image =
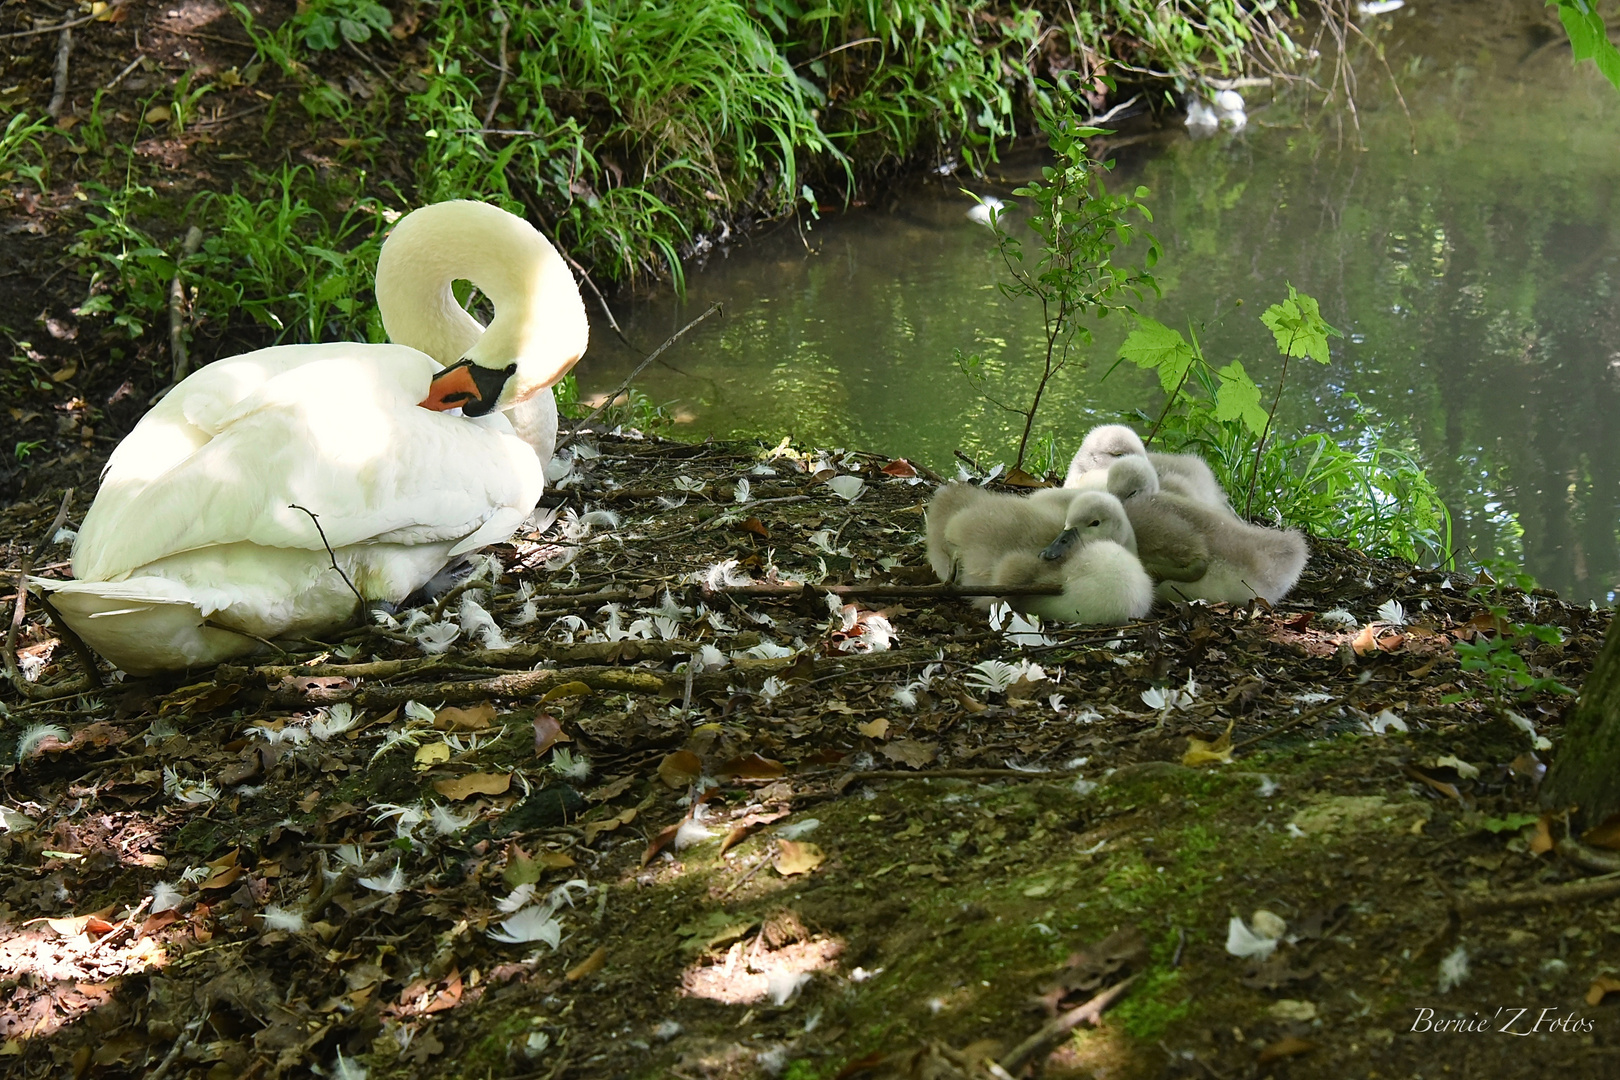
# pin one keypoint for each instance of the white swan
(196, 548)
(1093, 559)
(970, 529)
(1197, 552)
(1182, 474)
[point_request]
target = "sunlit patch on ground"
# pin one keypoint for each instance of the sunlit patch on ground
(752, 972)
(59, 969)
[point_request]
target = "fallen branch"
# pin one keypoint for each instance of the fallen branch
(1057, 1029)
(1604, 862)
(87, 681)
(1553, 895)
(50, 29)
(59, 88)
(177, 307)
(847, 779)
(500, 83)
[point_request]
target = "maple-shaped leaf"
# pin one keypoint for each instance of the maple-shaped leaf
(1155, 345)
(1239, 398)
(1299, 328)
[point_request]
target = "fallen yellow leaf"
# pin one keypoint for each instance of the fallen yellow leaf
(477, 783)
(476, 718)
(796, 857)
(874, 729)
(1218, 752)
(567, 689)
(586, 966)
(1601, 987)
(432, 754)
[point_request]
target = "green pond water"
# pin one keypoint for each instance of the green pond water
(1475, 281)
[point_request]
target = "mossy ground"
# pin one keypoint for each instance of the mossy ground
(946, 892)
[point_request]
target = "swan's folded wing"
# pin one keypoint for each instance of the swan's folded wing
(345, 441)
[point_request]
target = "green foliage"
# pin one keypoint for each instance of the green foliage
(1371, 493)
(1496, 657)
(290, 261)
(324, 23)
(1588, 37)
(22, 149)
(1076, 275)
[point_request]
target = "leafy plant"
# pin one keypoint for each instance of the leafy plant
(326, 23)
(1075, 276)
(1496, 656)
(22, 150)
(1588, 37)
(1372, 493)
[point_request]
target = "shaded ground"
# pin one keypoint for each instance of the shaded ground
(777, 865)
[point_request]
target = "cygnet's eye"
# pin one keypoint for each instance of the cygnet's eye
(1096, 522)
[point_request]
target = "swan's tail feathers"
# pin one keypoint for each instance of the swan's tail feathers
(144, 625)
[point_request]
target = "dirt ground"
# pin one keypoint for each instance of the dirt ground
(877, 837)
(767, 837)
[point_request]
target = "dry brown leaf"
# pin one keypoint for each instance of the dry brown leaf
(474, 784)
(752, 767)
(1542, 842)
(679, 769)
(1601, 987)
(610, 790)
(1020, 478)
(899, 467)
(1285, 1048)
(546, 732)
(476, 718)
(874, 729)
(1604, 835)
(222, 878)
(665, 837)
(1366, 641)
(755, 526)
(1218, 752)
(593, 829)
(910, 752)
(588, 965)
(797, 857)
(431, 754)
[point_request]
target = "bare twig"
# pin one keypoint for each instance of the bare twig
(1555, 895)
(500, 83)
(122, 75)
(177, 307)
(64, 49)
(13, 672)
(48, 29)
(330, 554)
(1057, 1029)
(845, 781)
(654, 355)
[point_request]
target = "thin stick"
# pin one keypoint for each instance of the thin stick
(330, 554)
(13, 672)
(64, 48)
(500, 83)
(49, 29)
(1556, 895)
(122, 75)
(1054, 1031)
(656, 353)
(1254, 473)
(177, 307)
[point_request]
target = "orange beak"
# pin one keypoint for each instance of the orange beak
(451, 389)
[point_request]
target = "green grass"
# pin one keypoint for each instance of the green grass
(22, 149)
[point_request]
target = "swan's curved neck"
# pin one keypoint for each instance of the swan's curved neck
(539, 321)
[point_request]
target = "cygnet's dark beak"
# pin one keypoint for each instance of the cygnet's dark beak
(1058, 548)
(467, 386)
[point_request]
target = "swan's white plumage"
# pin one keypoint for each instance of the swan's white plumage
(192, 551)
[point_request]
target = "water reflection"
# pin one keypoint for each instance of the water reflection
(1475, 281)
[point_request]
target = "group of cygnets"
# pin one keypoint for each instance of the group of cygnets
(1126, 526)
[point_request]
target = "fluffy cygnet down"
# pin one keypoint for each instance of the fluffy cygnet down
(1197, 552)
(1091, 560)
(1182, 474)
(970, 529)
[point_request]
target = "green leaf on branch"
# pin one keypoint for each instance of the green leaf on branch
(1299, 328)
(1155, 345)
(1589, 39)
(1239, 398)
